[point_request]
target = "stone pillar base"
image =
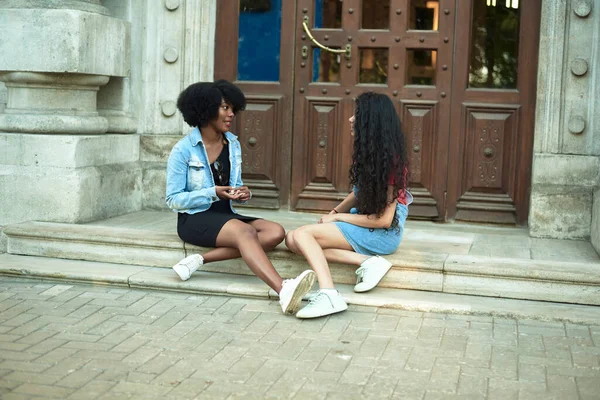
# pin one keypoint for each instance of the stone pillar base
(562, 195)
(71, 179)
(52, 103)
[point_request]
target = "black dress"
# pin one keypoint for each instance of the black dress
(203, 228)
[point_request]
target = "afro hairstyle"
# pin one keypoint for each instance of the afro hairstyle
(199, 103)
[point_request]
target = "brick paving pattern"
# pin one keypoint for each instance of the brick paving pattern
(77, 341)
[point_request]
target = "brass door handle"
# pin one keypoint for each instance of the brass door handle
(347, 50)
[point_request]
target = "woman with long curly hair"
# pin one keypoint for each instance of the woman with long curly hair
(369, 222)
(204, 178)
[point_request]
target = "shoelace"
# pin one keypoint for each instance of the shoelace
(360, 274)
(312, 299)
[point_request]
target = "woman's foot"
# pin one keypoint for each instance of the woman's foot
(186, 267)
(293, 290)
(371, 271)
(324, 302)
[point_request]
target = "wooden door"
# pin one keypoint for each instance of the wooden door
(400, 48)
(469, 134)
(493, 110)
(254, 49)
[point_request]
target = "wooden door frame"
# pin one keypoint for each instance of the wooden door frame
(275, 95)
(526, 93)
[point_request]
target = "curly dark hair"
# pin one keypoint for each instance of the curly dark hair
(379, 156)
(199, 103)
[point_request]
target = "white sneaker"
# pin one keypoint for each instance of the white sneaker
(323, 303)
(293, 290)
(371, 271)
(186, 267)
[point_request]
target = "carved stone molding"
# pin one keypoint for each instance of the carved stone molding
(52, 103)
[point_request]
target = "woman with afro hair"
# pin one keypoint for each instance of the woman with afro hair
(369, 222)
(204, 179)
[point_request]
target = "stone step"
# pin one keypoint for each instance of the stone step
(414, 267)
(135, 276)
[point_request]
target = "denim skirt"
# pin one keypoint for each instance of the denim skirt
(375, 241)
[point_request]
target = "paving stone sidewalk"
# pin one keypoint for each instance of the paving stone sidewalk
(77, 341)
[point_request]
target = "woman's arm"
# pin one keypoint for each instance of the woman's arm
(346, 204)
(177, 198)
(369, 221)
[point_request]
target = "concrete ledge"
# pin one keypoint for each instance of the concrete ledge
(523, 279)
(538, 270)
(94, 243)
(422, 270)
(67, 270)
(250, 286)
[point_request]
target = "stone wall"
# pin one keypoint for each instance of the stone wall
(3, 95)
(72, 119)
(566, 166)
(58, 161)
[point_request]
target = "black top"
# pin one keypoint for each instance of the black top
(221, 168)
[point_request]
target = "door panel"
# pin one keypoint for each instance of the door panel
(258, 61)
(421, 128)
(493, 98)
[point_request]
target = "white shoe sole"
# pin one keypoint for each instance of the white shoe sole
(307, 280)
(329, 312)
(182, 271)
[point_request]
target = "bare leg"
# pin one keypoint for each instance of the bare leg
(340, 256)
(244, 237)
(270, 234)
(310, 240)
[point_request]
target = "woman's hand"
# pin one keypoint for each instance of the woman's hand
(331, 217)
(225, 192)
(241, 193)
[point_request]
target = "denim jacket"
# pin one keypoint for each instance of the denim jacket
(190, 184)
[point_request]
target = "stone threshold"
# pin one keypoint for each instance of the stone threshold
(413, 268)
(214, 283)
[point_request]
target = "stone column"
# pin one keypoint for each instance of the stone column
(166, 62)
(57, 162)
(566, 163)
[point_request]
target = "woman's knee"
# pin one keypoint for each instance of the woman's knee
(246, 232)
(274, 236)
(303, 233)
(290, 241)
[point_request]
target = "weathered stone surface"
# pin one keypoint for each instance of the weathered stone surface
(156, 83)
(525, 279)
(566, 169)
(549, 102)
(560, 212)
(154, 182)
(156, 148)
(561, 157)
(3, 241)
(94, 243)
(67, 151)
(581, 81)
(596, 221)
(3, 96)
(461, 309)
(68, 195)
(68, 178)
(63, 40)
